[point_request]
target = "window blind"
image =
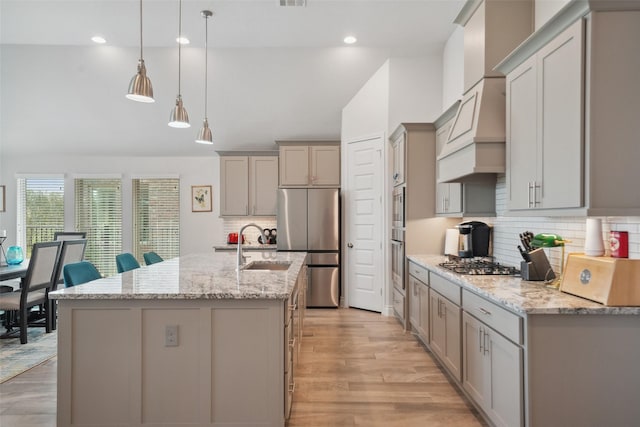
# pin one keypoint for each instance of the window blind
(156, 217)
(98, 206)
(40, 210)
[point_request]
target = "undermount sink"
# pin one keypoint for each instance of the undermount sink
(266, 265)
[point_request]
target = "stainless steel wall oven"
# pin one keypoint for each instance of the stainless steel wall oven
(398, 213)
(397, 257)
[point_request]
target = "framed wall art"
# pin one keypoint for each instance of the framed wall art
(201, 198)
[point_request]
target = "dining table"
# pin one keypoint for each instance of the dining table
(16, 271)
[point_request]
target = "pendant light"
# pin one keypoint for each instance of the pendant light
(140, 86)
(204, 136)
(179, 117)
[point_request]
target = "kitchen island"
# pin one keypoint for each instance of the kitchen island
(527, 354)
(187, 341)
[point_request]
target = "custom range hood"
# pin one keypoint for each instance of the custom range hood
(475, 146)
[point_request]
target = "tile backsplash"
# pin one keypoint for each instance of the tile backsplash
(506, 230)
(233, 225)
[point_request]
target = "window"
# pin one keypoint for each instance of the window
(156, 217)
(40, 210)
(98, 206)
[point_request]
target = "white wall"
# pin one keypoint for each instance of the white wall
(545, 9)
(367, 113)
(453, 68)
(198, 231)
(414, 86)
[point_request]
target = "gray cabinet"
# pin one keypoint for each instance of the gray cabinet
(419, 301)
(444, 323)
(248, 185)
(398, 147)
(493, 359)
(492, 372)
(572, 103)
(303, 164)
(294, 319)
(544, 132)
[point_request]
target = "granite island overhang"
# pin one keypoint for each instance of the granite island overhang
(186, 341)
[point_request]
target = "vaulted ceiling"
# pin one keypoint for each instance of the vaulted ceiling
(274, 72)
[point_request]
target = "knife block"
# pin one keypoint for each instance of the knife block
(538, 269)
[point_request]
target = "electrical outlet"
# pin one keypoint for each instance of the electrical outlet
(171, 336)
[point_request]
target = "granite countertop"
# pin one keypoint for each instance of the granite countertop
(519, 295)
(246, 247)
(196, 276)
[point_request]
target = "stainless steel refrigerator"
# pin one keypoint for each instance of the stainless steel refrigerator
(309, 221)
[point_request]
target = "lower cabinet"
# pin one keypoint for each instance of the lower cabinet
(492, 372)
(294, 318)
(419, 307)
(445, 332)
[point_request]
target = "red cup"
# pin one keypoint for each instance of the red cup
(619, 244)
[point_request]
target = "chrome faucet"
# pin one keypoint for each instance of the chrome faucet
(241, 258)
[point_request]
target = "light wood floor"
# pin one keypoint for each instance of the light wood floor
(356, 369)
(359, 368)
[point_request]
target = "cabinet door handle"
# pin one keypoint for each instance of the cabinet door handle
(483, 311)
(486, 347)
(480, 336)
(536, 186)
(246, 209)
(529, 203)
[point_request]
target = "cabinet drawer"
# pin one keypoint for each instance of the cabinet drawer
(398, 303)
(418, 272)
(503, 321)
(448, 289)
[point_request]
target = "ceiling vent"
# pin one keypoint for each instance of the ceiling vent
(293, 3)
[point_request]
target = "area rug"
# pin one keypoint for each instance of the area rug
(16, 358)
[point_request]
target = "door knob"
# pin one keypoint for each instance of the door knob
(349, 245)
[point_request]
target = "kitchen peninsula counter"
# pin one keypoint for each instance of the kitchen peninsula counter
(526, 354)
(521, 296)
(187, 341)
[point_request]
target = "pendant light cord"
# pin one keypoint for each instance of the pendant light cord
(141, 31)
(179, 44)
(206, 39)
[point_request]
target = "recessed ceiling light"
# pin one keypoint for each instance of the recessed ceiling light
(98, 39)
(183, 40)
(350, 40)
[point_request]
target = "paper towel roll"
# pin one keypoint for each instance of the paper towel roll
(451, 242)
(593, 241)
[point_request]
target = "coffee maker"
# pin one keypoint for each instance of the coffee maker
(474, 239)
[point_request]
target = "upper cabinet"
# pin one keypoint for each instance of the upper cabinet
(572, 115)
(544, 132)
(248, 185)
(309, 164)
(398, 147)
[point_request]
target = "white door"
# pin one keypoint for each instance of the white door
(364, 231)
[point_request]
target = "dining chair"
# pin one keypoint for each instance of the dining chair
(35, 286)
(69, 235)
(151, 258)
(81, 272)
(70, 252)
(126, 262)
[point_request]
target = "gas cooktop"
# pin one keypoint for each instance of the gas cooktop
(478, 266)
